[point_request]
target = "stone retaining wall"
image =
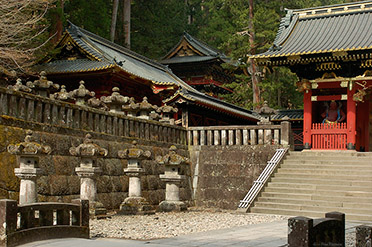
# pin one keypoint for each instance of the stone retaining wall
(222, 175)
(59, 182)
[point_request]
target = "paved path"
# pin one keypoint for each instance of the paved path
(272, 234)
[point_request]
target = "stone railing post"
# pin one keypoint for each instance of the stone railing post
(134, 203)
(88, 172)
(285, 133)
(28, 171)
(8, 218)
(172, 162)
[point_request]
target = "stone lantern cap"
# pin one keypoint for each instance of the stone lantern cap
(97, 103)
(88, 149)
(131, 107)
(43, 84)
(29, 147)
(146, 106)
(134, 153)
(81, 94)
(20, 87)
(62, 95)
(115, 100)
(172, 158)
(167, 109)
(266, 110)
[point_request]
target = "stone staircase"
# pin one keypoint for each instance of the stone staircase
(311, 183)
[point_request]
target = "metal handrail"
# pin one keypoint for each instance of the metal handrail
(263, 178)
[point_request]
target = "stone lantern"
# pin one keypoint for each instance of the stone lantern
(167, 112)
(62, 95)
(145, 108)
(131, 108)
(88, 172)
(115, 101)
(134, 203)
(28, 153)
(43, 87)
(81, 95)
(172, 162)
(20, 87)
(266, 112)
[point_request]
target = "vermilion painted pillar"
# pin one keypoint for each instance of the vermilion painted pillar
(351, 117)
(307, 119)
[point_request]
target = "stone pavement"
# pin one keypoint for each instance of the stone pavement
(272, 234)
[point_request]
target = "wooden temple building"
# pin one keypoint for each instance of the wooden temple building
(82, 55)
(330, 50)
(199, 65)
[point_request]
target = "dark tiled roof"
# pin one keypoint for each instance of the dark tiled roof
(105, 53)
(78, 65)
(329, 29)
(211, 102)
(293, 115)
(208, 52)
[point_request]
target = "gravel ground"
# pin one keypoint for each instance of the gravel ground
(168, 225)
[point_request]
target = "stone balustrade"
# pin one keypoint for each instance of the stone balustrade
(42, 110)
(240, 135)
(21, 224)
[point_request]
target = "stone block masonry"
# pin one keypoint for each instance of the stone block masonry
(222, 175)
(59, 182)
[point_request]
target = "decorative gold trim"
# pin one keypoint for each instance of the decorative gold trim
(343, 96)
(344, 83)
(314, 98)
(178, 93)
(314, 85)
(294, 58)
(339, 53)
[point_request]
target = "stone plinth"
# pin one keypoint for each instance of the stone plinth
(88, 171)
(172, 162)
(28, 171)
(134, 203)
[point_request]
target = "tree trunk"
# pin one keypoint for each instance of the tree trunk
(255, 78)
(126, 21)
(113, 20)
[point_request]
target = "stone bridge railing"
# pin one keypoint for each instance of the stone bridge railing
(39, 221)
(34, 108)
(240, 135)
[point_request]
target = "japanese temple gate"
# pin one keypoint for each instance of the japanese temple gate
(353, 133)
(330, 50)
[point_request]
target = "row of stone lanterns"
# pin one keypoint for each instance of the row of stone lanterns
(115, 102)
(28, 171)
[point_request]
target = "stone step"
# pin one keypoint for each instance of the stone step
(367, 167)
(322, 171)
(330, 153)
(319, 192)
(306, 207)
(319, 187)
(315, 203)
(332, 163)
(320, 197)
(318, 214)
(321, 181)
(324, 176)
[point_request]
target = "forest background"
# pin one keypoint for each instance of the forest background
(236, 27)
